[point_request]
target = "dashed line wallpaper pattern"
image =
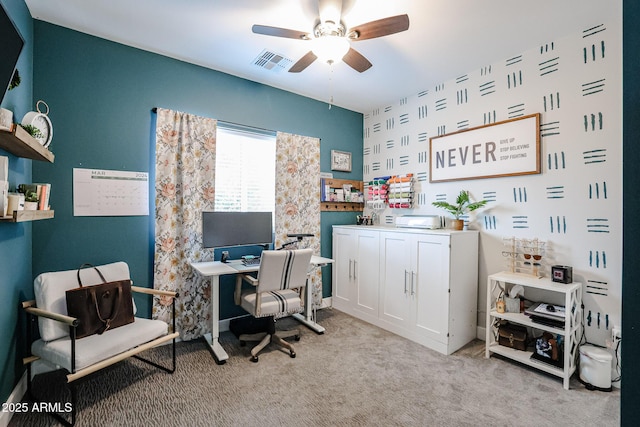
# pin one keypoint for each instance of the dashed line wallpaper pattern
(575, 204)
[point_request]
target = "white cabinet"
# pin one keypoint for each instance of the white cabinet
(427, 282)
(414, 274)
(430, 271)
(397, 287)
(537, 289)
(355, 279)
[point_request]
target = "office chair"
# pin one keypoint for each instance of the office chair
(278, 292)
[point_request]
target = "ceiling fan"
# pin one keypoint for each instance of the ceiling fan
(331, 39)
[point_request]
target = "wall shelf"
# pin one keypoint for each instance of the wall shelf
(22, 216)
(341, 207)
(336, 206)
(18, 141)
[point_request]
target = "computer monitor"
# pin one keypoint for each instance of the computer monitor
(226, 229)
(11, 43)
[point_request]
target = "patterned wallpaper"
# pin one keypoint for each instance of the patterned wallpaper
(574, 204)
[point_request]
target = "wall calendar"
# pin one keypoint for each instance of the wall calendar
(98, 192)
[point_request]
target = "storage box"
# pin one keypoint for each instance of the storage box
(251, 325)
(513, 336)
(512, 305)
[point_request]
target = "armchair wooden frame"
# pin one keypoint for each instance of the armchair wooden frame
(74, 375)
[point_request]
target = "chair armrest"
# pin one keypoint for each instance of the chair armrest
(157, 292)
(250, 279)
(30, 307)
(238, 292)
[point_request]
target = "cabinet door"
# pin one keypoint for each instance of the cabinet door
(367, 271)
(343, 290)
(397, 303)
(431, 257)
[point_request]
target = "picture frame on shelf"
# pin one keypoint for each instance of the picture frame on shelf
(340, 161)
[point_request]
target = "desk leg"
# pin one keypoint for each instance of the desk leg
(211, 339)
(305, 318)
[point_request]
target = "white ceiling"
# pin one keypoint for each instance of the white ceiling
(446, 38)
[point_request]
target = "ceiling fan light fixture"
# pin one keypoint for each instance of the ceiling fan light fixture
(330, 48)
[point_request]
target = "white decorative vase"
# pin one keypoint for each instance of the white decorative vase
(30, 206)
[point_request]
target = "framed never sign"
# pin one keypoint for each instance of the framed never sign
(507, 148)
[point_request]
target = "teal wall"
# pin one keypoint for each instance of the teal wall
(15, 239)
(101, 95)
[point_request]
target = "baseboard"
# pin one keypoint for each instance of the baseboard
(481, 333)
(15, 397)
(326, 303)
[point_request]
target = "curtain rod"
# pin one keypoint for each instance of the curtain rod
(237, 126)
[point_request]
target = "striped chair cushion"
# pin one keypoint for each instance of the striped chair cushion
(275, 303)
(283, 269)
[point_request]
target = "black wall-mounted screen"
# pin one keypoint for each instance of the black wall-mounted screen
(11, 44)
(224, 229)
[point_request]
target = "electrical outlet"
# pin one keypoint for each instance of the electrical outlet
(616, 333)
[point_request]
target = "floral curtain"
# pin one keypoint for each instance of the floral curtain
(184, 187)
(298, 196)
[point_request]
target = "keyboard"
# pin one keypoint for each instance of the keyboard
(251, 261)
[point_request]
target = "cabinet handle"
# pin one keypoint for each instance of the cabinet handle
(405, 281)
(350, 261)
(355, 267)
(413, 291)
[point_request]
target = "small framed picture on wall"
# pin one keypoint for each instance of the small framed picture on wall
(340, 161)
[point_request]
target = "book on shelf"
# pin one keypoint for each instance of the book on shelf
(44, 193)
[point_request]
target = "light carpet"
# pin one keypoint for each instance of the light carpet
(354, 374)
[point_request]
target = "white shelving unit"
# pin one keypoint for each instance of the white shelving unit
(569, 295)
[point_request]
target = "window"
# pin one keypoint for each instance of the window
(245, 169)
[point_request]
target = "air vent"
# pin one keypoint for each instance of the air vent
(272, 61)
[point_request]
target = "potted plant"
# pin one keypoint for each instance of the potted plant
(462, 206)
(33, 131)
(30, 201)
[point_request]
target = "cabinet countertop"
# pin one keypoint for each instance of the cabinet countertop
(404, 230)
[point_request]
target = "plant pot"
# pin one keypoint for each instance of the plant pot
(457, 224)
(30, 206)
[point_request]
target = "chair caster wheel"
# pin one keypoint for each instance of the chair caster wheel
(296, 338)
(254, 359)
(292, 355)
(243, 343)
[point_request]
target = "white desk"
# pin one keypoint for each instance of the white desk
(215, 269)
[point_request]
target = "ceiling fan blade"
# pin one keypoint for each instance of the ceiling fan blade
(303, 62)
(379, 28)
(280, 32)
(355, 60)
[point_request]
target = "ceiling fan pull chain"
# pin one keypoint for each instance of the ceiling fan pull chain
(330, 84)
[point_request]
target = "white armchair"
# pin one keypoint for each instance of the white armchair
(58, 345)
